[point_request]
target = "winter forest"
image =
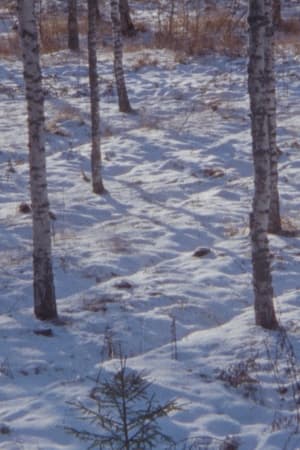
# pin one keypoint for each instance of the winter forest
(150, 253)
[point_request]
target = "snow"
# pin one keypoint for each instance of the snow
(179, 178)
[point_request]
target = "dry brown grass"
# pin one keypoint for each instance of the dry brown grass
(288, 35)
(290, 26)
(8, 5)
(53, 35)
(289, 227)
(68, 113)
(140, 26)
(9, 45)
(144, 60)
(215, 32)
(54, 32)
(132, 46)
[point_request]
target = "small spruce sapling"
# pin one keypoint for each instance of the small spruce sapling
(125, 414)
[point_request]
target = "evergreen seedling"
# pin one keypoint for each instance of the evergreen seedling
(125, 415)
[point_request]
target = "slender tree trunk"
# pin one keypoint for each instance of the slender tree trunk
(73, 33)
(96, 164)
(277, 18)
(274, 214)
(259, 218)
(43, 284)
(99, 8)
(127, 26)
(171, 17)
(124, 104)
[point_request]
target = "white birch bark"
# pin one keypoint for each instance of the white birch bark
(270, 81)
(124, 105)
(96, 163)
(43, 284)
(262, 278)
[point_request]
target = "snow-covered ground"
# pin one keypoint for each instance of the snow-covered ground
(179, 179)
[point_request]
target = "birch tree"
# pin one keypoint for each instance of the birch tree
(73, 33)
(43, 283)
(96, 163)
(124, 105)
(274, 225)
(259, 217)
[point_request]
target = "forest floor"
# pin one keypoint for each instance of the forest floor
(158, 269)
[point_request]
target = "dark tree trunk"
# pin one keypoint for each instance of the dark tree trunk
(270, 82)
(73, 33)
(124, 104)
(277, 18)
(127, 26)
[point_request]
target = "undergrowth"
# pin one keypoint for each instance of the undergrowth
(124, 414)
(182, 26)
(274, 383)
(196, 32)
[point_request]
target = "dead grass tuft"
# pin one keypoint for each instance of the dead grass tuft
(9, 45)
(53, 33)
(289, 228)
(288, 35)
(290, 26)
(144, 60)
(68, 113)
(140, 26)
(9, 5)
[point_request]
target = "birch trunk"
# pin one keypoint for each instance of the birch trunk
(270, 81)
(43, 284)
(73, 33)
(259, 218)
(124, 105)
(96, 163)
